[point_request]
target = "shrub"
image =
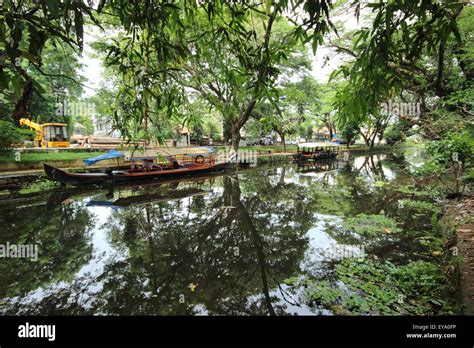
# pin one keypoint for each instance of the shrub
(397, 132)
(454, 144)
(10, 135)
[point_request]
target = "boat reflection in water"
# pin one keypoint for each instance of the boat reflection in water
(319, 166)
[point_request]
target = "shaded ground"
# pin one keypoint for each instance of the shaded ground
(462, 211)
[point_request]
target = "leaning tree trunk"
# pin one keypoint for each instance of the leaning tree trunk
(331, 133)
(237, 122)
(227, 132)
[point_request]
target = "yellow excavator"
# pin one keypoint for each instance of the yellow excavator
(48, 134)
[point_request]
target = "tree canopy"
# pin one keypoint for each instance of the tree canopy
(234, 58)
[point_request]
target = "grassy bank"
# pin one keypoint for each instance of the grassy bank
(61, 155)
(50, 156)
(261, 149)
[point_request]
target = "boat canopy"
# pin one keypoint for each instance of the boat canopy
(109, 155)
(317, 144)
(149, 154)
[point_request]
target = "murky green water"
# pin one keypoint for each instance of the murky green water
(220, 245)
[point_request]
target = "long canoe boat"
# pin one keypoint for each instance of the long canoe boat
(145, 165)
(124, 175)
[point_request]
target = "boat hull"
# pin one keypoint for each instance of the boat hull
(76, 179)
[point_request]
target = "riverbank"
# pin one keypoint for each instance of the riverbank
(459, 214)
(17, 179)
(30, 160)
(30, 169)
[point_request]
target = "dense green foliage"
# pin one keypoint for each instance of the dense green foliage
(451, 162)
(412, 53)
(175, 63)
(455, 147)
(11, 136)
(36, 39)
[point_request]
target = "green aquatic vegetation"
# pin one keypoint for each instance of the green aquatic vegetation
(330, 200)
(292, 280)
(379, 183)
(371, 231)
(370, 287)
(371, 225)
(421, 206)
(39, 186)
(412, 190)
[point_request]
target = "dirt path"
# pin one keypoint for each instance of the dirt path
(462, 211)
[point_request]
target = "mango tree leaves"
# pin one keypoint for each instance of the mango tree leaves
(25, 28)
(388, 55)
(221, 49)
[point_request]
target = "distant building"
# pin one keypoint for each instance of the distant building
(181, 136)
(79, 134)
(321, 134)
(79, 129)
(103, 128)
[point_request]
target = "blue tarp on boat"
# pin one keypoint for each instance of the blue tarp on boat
(109, 155)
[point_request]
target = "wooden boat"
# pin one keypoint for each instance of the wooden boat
(316, 151)
(144, 165)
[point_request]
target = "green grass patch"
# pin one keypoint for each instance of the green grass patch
(51, 156)
(39, 186)
(270, 148)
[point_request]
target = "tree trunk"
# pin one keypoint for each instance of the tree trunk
(282, 137)
(381, 133)
(23, 104)
(331, 132)
(366, 140)
(372, 141)
(227, 132)
(235, 137)
(236, 123)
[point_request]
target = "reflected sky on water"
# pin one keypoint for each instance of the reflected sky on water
(217, 245)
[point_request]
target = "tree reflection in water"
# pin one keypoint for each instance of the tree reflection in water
(221, 245)
(64, 246)
(235, 246)
(237, 243)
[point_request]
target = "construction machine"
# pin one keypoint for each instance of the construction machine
(48, 135)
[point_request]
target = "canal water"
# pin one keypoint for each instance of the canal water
(218, 245)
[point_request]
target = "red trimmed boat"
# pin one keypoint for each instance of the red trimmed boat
(148, 164)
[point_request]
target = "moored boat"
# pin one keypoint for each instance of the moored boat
(148, 164)
(316, 151)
